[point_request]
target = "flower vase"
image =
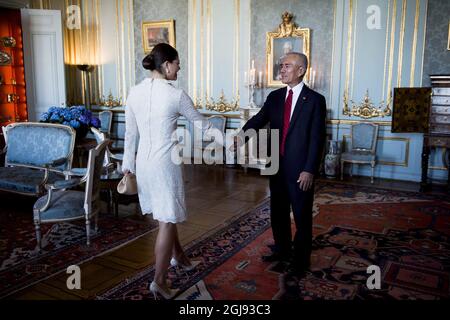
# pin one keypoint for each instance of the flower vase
(333, 160)
(81, 133)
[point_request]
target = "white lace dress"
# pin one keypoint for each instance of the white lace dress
(151, 113)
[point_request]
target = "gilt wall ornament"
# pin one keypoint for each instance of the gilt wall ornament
(366, 109)
(5, 59)
(110, 101)
(222, 105)
(8, 42)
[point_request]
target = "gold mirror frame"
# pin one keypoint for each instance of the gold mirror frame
(286, 29)
(163, 24)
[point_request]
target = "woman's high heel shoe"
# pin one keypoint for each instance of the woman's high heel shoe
(175, 263)
(166, 293)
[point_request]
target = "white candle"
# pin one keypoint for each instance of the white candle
(245, 78)
(253, 64)
(260, 78)
(313, 79)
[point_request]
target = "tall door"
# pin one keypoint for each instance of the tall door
(44, 60)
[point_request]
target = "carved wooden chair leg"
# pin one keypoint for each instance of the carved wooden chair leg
(38, 235)
(373, 171)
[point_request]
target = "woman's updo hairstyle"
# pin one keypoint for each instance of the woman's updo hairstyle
(161, 53)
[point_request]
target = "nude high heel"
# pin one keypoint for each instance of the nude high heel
(176, 264)
(166, 293)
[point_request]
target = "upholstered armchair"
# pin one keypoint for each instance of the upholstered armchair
(35, 154)
(207, 143)
(62, 204)
(110, 158)
(106, 119)
(363, 147)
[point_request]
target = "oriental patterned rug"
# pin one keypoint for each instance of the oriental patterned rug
(405, 234)
(21, 265)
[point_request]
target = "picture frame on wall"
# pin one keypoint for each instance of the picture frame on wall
(155, 32)
(288, 38)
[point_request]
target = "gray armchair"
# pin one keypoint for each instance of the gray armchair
(364, 145)
(207, 143)
(61, 205)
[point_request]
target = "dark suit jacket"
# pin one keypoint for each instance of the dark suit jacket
(306, 134)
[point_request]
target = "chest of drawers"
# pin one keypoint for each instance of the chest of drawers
(438, 135)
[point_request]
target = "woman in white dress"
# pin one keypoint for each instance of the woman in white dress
(151, 113)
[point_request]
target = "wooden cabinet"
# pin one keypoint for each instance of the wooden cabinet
(438, 135)
(13, 104)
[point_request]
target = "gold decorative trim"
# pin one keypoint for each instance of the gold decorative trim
(400, 46)
(405, 162)
(448, 41)
(386, 49)
(391, 49)
(349, 122)
(425, 19)
(366, 109)
(222, 105)
(237, 14)
(209, 51)
(349, 50)
(194, 50)
(414, 46)
(332, 50)
(354, 49)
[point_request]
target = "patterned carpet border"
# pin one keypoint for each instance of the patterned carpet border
(214, 248)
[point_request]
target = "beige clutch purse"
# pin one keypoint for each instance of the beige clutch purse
(128, 185)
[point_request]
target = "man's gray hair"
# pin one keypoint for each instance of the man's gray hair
(303, 59)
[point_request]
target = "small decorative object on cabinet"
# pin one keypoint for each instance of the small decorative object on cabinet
(438, 135)
(13, 99)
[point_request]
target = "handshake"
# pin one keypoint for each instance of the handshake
(238, 142)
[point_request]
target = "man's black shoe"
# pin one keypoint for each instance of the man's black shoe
(296, 269)
(275, 257)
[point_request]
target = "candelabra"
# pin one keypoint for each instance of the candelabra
(251, 82)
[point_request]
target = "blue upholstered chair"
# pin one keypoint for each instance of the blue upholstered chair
(35, 154)
(364, 145)
(61, 204)
(110, 158)
(106, 119)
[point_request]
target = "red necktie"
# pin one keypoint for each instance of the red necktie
(286, 120)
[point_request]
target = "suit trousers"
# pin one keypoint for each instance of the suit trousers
(284, 196)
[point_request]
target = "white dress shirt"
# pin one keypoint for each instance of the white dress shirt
(296, 93)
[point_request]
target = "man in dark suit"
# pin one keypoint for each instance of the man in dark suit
(299, 114)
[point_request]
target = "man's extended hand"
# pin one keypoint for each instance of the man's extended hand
(305, 180)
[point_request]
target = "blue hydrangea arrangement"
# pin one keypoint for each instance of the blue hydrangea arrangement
(78, 117)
